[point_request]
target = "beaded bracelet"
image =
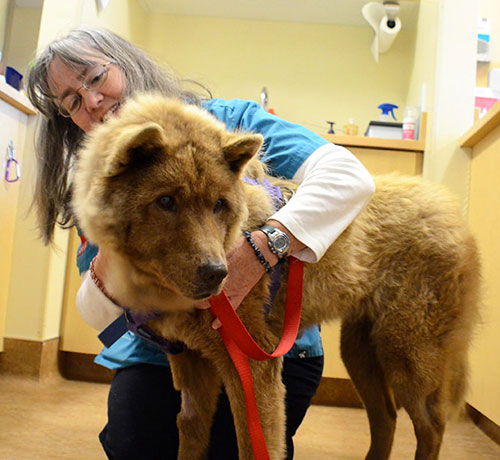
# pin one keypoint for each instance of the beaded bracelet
(99, 283)
(259, 255)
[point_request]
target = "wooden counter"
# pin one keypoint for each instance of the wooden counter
(382, 144)
(376, 143)
(16, 99)
(380, 156)
(482, 127)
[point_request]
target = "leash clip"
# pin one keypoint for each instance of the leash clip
(12, 163)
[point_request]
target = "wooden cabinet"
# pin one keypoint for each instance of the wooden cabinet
(484, 220)
(14, 113)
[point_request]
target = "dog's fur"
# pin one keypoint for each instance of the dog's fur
(403, 278)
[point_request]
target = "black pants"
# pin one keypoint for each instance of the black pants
(143, 406)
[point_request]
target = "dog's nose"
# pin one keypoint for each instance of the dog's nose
(211, 275)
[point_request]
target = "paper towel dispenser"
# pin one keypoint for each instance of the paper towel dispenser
(384, 20)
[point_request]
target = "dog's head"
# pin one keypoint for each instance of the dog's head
(160, 187)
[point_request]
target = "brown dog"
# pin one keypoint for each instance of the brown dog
(161, 187)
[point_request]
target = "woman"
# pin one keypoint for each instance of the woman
(82, 79)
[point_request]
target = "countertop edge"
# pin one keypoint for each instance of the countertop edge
(482, 127)
(15, 98)
(375, 142)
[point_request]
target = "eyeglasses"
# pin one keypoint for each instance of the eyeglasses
(95, 78)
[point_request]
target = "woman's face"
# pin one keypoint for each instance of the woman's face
(64, 82)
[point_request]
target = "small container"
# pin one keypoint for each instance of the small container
(410, 123)
(351, 129)
(13, 77)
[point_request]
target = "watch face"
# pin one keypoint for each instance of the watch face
(280, 243)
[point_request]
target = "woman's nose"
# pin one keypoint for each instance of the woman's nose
(91, 99)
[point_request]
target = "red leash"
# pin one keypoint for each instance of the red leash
(241, 346)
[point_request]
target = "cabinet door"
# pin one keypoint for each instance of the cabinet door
(13, 125)
(380, 161)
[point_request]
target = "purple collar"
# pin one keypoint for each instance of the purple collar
(135, 321)
(273, 190)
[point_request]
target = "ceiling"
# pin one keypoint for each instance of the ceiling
(345, 12)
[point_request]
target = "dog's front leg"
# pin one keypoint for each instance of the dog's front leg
(270, 397)
(200, 386)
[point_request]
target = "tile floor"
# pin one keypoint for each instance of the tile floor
(60, 420)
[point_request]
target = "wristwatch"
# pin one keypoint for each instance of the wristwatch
(278, 241)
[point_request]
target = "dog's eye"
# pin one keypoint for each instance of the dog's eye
(166, 202)
(218, 206)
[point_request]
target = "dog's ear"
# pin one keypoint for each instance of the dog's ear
(239, 148)
(132, 144)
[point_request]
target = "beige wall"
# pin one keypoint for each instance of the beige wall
(4, 11)
(23, 38)
(313, 72)
(423, 67)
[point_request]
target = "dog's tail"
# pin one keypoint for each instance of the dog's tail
(470, 317)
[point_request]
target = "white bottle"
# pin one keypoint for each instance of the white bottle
(410, 122)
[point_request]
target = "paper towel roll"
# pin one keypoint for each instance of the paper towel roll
(386, 34)
(375, 15)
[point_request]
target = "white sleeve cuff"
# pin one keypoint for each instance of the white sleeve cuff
(334, 188)
(94, 307)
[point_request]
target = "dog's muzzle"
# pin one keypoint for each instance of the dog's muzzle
(209, 278)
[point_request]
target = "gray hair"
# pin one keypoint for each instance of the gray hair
(59, 138)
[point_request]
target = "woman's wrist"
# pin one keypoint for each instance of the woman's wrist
(295, 244)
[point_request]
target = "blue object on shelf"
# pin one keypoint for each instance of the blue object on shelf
(387, 109)
(13, 77)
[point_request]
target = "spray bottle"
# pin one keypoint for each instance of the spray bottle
(387, 110)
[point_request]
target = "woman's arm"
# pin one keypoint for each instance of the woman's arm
(97, 310)
(335, 188)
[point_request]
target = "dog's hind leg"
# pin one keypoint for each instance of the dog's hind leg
(360, 360)
(428, 415)
(200, 386)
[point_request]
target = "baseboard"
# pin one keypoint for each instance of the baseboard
(337, 392)
(30, 358)
(487, 426)
(44, 360)
(81, 366)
